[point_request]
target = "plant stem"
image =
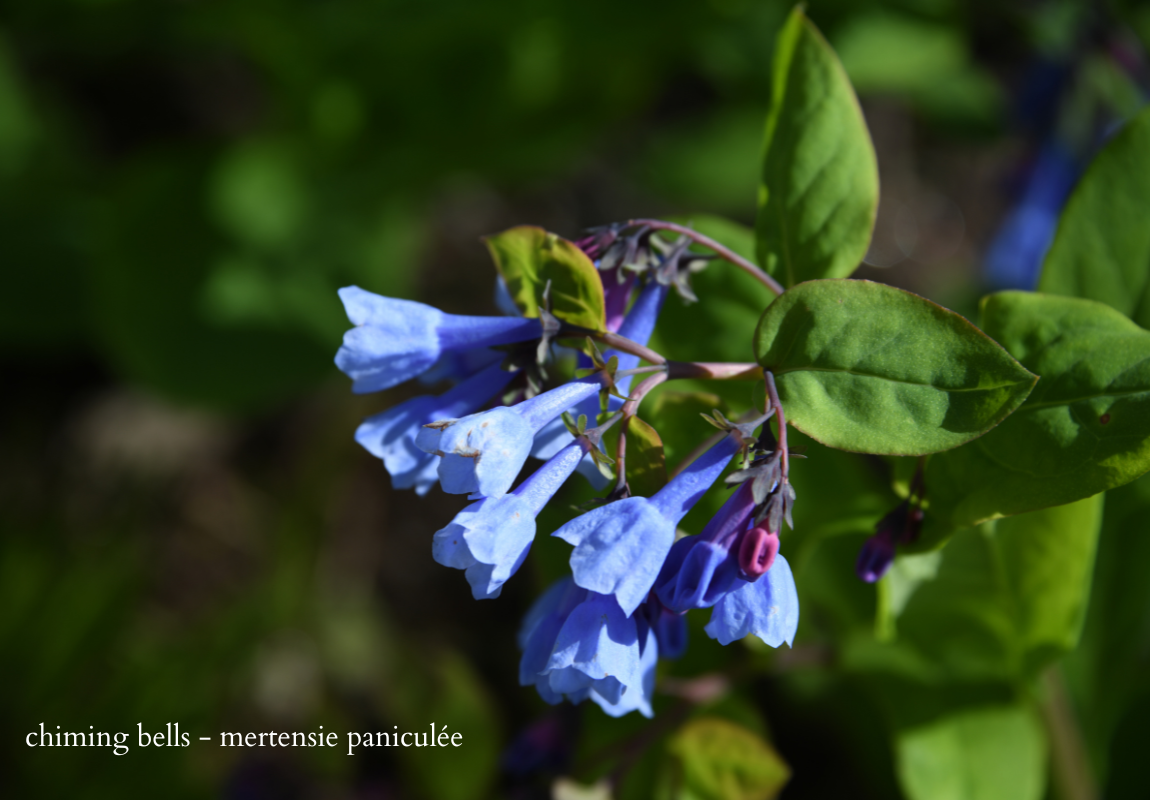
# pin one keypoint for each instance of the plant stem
(614, 341)
(723, 252)
(1073, 778)
(628, 411)
(714, 370)
(773, 394)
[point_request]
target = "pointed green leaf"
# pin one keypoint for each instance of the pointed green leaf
(1084, 429)
(819, 190)
(995, 753)
(866, 367)
(528, 257)
(1102, 248)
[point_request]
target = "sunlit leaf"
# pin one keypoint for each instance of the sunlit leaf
(714, 759)
(529, 258)
(819, 190)
(866, 367)
(984, 754)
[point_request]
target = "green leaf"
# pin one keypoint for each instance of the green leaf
(528, 257)
(866, 367)
(1084, 429)
(819, 191)
(995, 753)
(1003, 600)
(646, 463)
(715, 759)
(1102, 248)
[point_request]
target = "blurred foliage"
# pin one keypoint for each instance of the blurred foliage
(188, 532)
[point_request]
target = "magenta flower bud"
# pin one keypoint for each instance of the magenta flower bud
(757, 553)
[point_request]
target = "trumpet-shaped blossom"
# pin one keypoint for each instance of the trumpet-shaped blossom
(767, 608)
(396, 340)
(483, 453)
(490, 538)
(579, 644)
(391, 434)
(620, 547)
(738, 572)
(458, 365)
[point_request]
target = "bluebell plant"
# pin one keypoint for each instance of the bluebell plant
(599, 633)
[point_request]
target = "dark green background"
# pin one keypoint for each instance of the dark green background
(189, 533)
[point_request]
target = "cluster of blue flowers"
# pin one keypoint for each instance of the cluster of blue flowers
(599, 633)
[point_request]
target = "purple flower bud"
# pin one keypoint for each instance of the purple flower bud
(901, 525)
(616, 293)
(396, 340)
(875, 557)
(699, 569)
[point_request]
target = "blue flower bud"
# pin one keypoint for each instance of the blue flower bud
(767, 608)
(699, 570)
(391, 435)
(620, 547)
(396, 340)
(490, 538)
(483, 453)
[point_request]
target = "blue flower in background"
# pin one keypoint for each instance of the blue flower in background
(391, 434)
(483, 453)
(491, 538)
(396, 340)
(620, 547)
(1015, 256)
